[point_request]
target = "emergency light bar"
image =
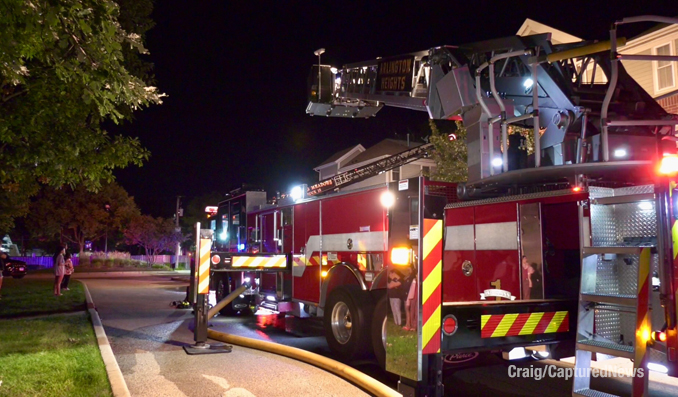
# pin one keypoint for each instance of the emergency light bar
(238, 262)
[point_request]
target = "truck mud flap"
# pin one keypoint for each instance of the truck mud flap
(488, 326)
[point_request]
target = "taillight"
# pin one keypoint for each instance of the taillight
(669, 165)
(400, 256)
(659, 336)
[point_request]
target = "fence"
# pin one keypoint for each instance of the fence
(48, 261)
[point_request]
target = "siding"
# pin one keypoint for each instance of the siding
(642, 72)
(670, 104)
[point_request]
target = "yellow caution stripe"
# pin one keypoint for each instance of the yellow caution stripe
(517, 324)
(204, 267)
(259, 262)
(431, 285)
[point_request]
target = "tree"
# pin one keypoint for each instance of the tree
(153, 234)
(195, 209)
(78, 215)
(450, 152)
(63, 72)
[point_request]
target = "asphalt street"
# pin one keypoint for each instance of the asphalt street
(147, 336)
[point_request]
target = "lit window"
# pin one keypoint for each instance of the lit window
(664, 69)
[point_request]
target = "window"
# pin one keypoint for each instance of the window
(665, 74)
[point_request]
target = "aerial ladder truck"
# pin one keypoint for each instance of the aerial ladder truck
(572, 248)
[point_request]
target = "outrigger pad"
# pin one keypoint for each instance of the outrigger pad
(211, 348)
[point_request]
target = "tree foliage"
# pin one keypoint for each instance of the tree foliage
(450, 152)
(195, 210)
(153, 234)
(65, 67)
(78, 215)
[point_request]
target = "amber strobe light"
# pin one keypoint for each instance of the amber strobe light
(669, 165)
(400, 256)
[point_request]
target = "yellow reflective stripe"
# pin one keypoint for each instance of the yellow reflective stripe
(432, 238)
(505, 324)
(204, 266)
(432, 281)
(430, 328)
(484, 319)
(531, 323)
(259, 261)
(555, 322)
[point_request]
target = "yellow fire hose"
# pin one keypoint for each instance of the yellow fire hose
(352, 375)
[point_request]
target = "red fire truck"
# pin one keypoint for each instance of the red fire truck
(568, 248)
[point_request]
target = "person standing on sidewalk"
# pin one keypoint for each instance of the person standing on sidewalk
(59, 270)
(68, 267)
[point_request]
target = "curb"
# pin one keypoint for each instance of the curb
(118, 384)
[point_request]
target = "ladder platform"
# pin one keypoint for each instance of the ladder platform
(609, 348)
(628, 199)
(621, 250)
(612, 299)
(591, 393)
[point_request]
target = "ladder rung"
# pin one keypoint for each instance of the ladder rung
(591, 393)
(619, 299)
(631, 198)
(612, 250)
(609, 348)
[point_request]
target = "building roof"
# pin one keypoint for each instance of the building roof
(387, 147)
(336, 157)
(530, 27)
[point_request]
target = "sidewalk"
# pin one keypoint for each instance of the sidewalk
(148, 340)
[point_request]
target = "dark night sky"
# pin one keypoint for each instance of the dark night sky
(236, 72)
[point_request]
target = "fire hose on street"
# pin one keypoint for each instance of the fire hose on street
(344, 371)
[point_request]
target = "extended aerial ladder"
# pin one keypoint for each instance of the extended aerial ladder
(558, 91)
(593, 127)
(359, 174)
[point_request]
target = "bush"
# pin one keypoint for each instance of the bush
(160, 266)
(96, 263)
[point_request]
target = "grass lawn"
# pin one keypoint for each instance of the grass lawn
(51, 356)
(401, 350)
(30, 297)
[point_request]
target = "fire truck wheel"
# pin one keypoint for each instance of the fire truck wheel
(378, 331)
(222, 290)
(346, 323)
(238, 306)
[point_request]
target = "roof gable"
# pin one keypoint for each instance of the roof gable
(531, 27)
(341, 156)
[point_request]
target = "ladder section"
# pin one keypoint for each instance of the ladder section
(618, 253)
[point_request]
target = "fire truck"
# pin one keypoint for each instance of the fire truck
(570, 248)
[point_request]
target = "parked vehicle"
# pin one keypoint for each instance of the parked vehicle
(15, 268)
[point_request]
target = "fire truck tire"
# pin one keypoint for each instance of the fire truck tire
(378, 331)
(222, 290)
(347, 324)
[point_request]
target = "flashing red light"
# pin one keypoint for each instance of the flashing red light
(216, 259)
(669, 165)
(659, 336)
(576, 189)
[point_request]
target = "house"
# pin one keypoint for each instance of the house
(357, 156)
(658, 78)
